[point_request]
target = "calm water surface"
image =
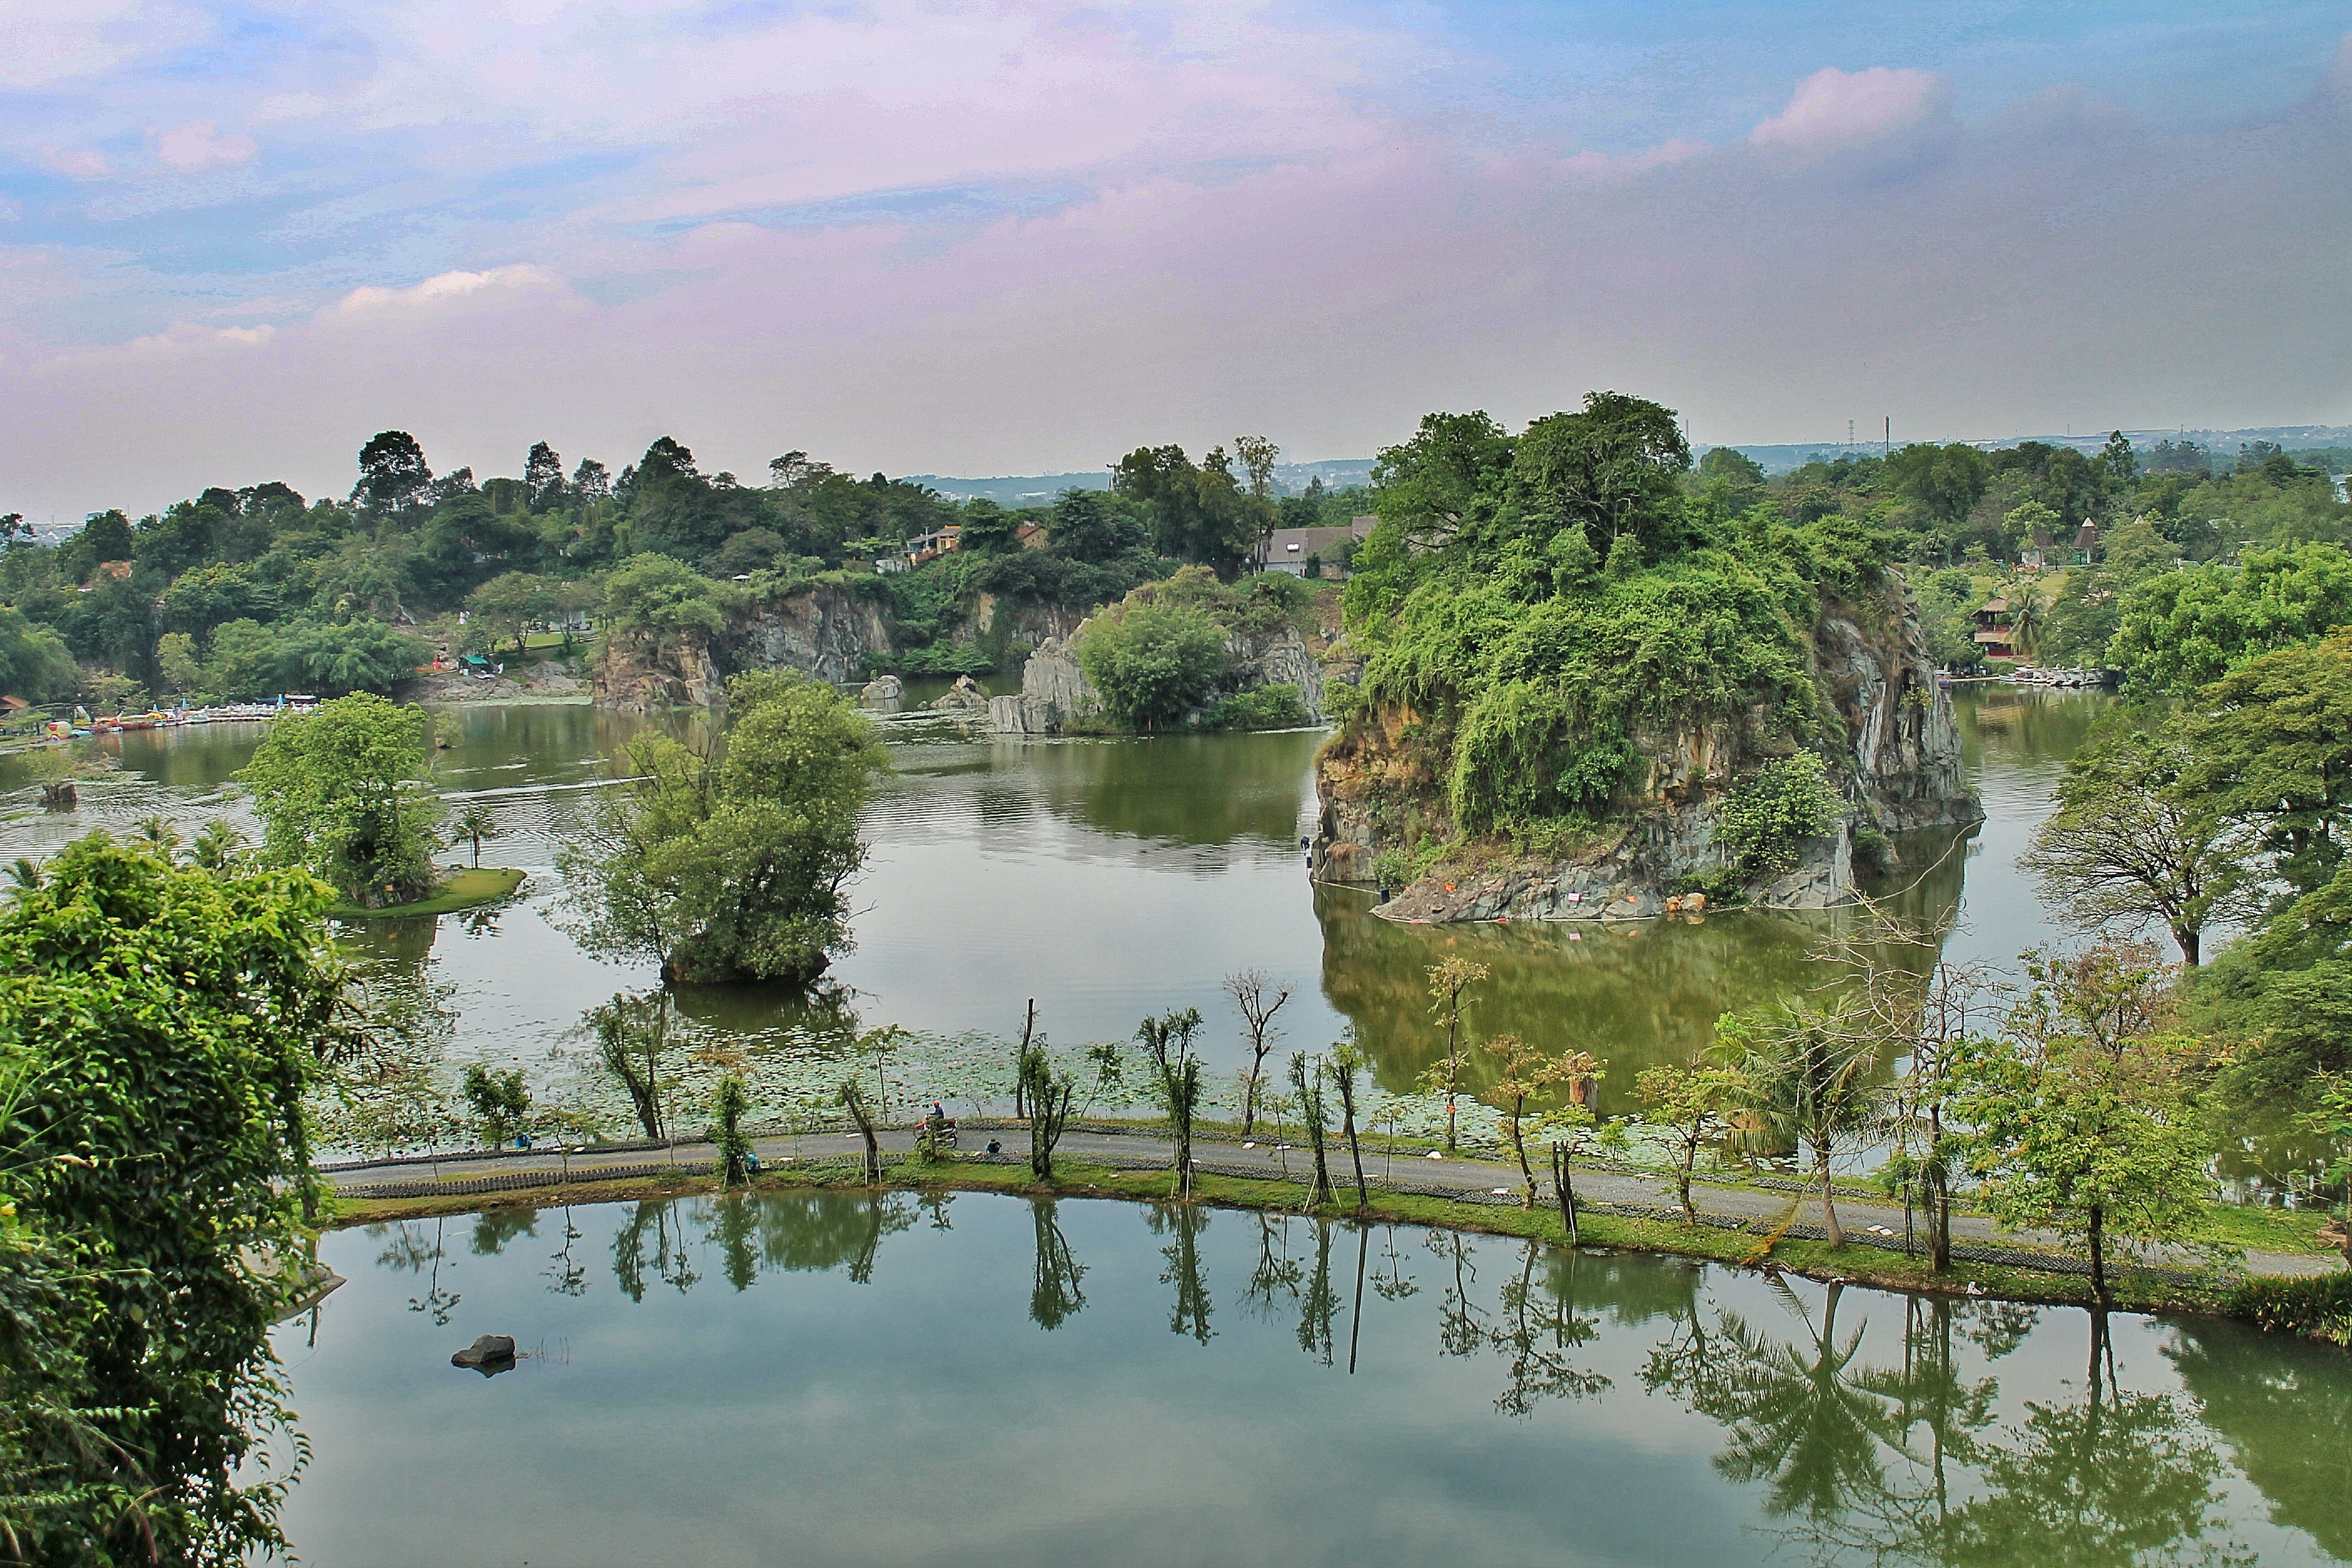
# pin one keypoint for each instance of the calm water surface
(1109, 879)
(838, 1378)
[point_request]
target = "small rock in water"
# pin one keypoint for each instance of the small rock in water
(489, 1355)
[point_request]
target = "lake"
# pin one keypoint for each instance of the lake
(850, 1378)
(1107, 879)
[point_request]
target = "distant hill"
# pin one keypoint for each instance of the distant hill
(1780, 459)
(1037, 490)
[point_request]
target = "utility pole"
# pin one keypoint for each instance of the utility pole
(1887, 445)
(1849, 433)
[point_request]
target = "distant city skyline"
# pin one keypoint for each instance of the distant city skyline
(236, 240)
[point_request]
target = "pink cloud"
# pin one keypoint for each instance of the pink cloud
(1589, 165)
(196, 146)
(447, 287)
(77, 162)
(1833, 110)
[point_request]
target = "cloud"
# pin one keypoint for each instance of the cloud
(196, 146)
(445, 287)
(1833, 109)
(77, 162)
(56, 41)
(1589, 165)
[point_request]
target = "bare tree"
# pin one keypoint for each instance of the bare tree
(1020, 1060)
(1248, 989)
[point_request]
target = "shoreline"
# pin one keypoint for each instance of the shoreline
(1786, 1245)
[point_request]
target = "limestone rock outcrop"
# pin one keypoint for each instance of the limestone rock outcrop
(1897, 763)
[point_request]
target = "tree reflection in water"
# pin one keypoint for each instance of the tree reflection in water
(1906, 1464)
(408, 1250)
(1055, 1298)
(1193, 1307)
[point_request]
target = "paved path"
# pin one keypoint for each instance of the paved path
(1469, 1177)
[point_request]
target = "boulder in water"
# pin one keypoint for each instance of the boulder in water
(965, 695)
(882, 689)
(489, 1355)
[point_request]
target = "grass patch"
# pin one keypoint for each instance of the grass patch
(459, 890)
(2265, 1230)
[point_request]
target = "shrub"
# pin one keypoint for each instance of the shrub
(1760, 825)
(1278, 707)
(1152, 662)
(2319, 1305)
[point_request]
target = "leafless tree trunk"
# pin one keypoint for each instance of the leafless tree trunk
(1248, 987)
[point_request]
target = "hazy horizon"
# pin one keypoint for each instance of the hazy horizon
(239, 240)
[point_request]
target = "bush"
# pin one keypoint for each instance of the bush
(1276, 707)
(2319, 1305)
(1760, 825)
(1152, 662)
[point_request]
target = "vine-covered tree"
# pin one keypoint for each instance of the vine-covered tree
(343, 792)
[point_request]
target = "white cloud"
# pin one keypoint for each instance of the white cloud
(1589, 165)
(55, 41)
(444, 286)
(196, 146)
(77, 162)
(1833, 110)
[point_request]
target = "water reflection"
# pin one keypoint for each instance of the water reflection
(1318, 1389)
(1109, 879)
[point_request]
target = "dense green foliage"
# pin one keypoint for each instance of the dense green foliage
(1539, 606)
(2179, 630)
(732, 867)
(2319, 1305)
(343, 791)
(1762, 824)
(1276, 707)
(246, 593)
(158, 1024)
(1152, 662)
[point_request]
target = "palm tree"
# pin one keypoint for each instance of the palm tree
(1805, 1079)
(476, 821)
(216, 844)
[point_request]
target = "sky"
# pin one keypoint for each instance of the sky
(237, 239)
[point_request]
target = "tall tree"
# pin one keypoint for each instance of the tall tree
(1804, 1076)
(1249, 988)
(2129, 843)
(394, 475)
(343, 792)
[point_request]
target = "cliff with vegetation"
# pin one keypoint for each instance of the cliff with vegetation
(1588, 686)
(1190, 653)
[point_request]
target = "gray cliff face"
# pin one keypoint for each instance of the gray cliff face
(1899, 764)
(1055, 693)
(823, 632)
(637, 680)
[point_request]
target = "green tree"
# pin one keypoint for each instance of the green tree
(343, 791)
(2271, 745)
(732, 870)
(656, 599)
(2129, 843)
(2187, 628)
(509, 604)
(1761, 826)
(1151, 662)
(394, 476)
(2079, 1113)
(1450, 980)
(1692, 1105)
(162, 1022)
(502, 1102)
(35, 663)
(1176, 1073)
(1946, 482)
(727, 1135)
(476, 820)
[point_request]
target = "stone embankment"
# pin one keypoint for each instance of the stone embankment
(1898, 764)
